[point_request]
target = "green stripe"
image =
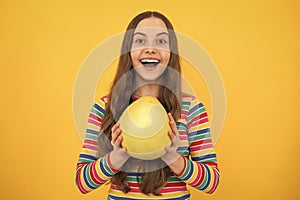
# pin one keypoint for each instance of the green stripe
(174, 179)
(196, 112)
(209, 160)
(88, 176)
(132, 179)
(204, 180)
(96, 112)
(200, 137)
(181, 128)
(185, 107)
(202, 109)
(90, 136)
(184, 153)
(187, 168)
(105, 164)
(80, 160)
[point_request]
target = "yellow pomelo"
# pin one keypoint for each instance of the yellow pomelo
(145, 127)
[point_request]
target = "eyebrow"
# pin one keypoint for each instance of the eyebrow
(144, 34)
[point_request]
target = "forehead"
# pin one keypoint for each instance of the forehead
(153, 23)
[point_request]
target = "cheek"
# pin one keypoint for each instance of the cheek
(134, 57)
(166, 57)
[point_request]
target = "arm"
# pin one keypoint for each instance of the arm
(201, 171)
(93, 170)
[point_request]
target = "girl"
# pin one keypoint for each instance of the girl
(149, 65)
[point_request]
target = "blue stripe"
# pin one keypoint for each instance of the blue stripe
(178, 124)
(92, 131)
(185, 197)
(87, 156)
(197, 106)
(191, 169)
(208, 178)
(134, 174)
(207, 156)
(199, 132)
(182, 148)
(185, 103)
(103, 169)
(86, 179)
(99, 108)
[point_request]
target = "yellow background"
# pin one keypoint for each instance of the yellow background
(255, 45)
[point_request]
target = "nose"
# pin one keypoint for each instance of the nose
(150, 50)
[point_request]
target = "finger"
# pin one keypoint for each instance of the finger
(114, 135)
(171, 135)
(123, 149)
(176, 140)
(171, 119)
(172, 123)
(117, 125)
(118, 141)
(168, 148)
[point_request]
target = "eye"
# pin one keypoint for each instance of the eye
(139, 41)
(161, 41)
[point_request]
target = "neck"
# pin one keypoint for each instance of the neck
(150, 89)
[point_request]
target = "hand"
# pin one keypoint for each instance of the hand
(173, 159)
(119, 154)
(171, 151)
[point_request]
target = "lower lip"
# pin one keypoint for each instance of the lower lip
(150, 67)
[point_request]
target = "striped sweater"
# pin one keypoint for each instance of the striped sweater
(200, 171)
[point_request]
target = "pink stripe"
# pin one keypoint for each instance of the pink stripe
(174, 189)
(92, 121)
(95, 174)
(214, 184)
(95, 117)
(184, 112)
(90, 147)
(201, 178)
(201, 147)
(194, 120)
(203, 120)
(163, 190)
(201, 142)
(185, 95)
(79, 184)
(183, 137)
(135, 190)
(197, 121)
(89, 141)
(198, 178)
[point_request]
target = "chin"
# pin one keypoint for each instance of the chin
(151, 78)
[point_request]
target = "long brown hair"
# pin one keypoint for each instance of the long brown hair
(121, 92)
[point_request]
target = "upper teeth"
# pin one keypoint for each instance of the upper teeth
(150, 60)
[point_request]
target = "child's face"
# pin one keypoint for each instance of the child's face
(150, 51)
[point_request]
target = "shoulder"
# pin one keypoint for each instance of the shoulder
(101, 102)
(104, 99)
(187, 97)
(189, 101)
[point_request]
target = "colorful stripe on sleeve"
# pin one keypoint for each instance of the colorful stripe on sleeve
(201, 171)
(93, 171)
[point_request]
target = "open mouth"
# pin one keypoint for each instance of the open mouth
(150, 62)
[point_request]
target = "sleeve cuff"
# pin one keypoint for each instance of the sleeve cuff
(184, 167)
(106, 167)
(110, 165)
